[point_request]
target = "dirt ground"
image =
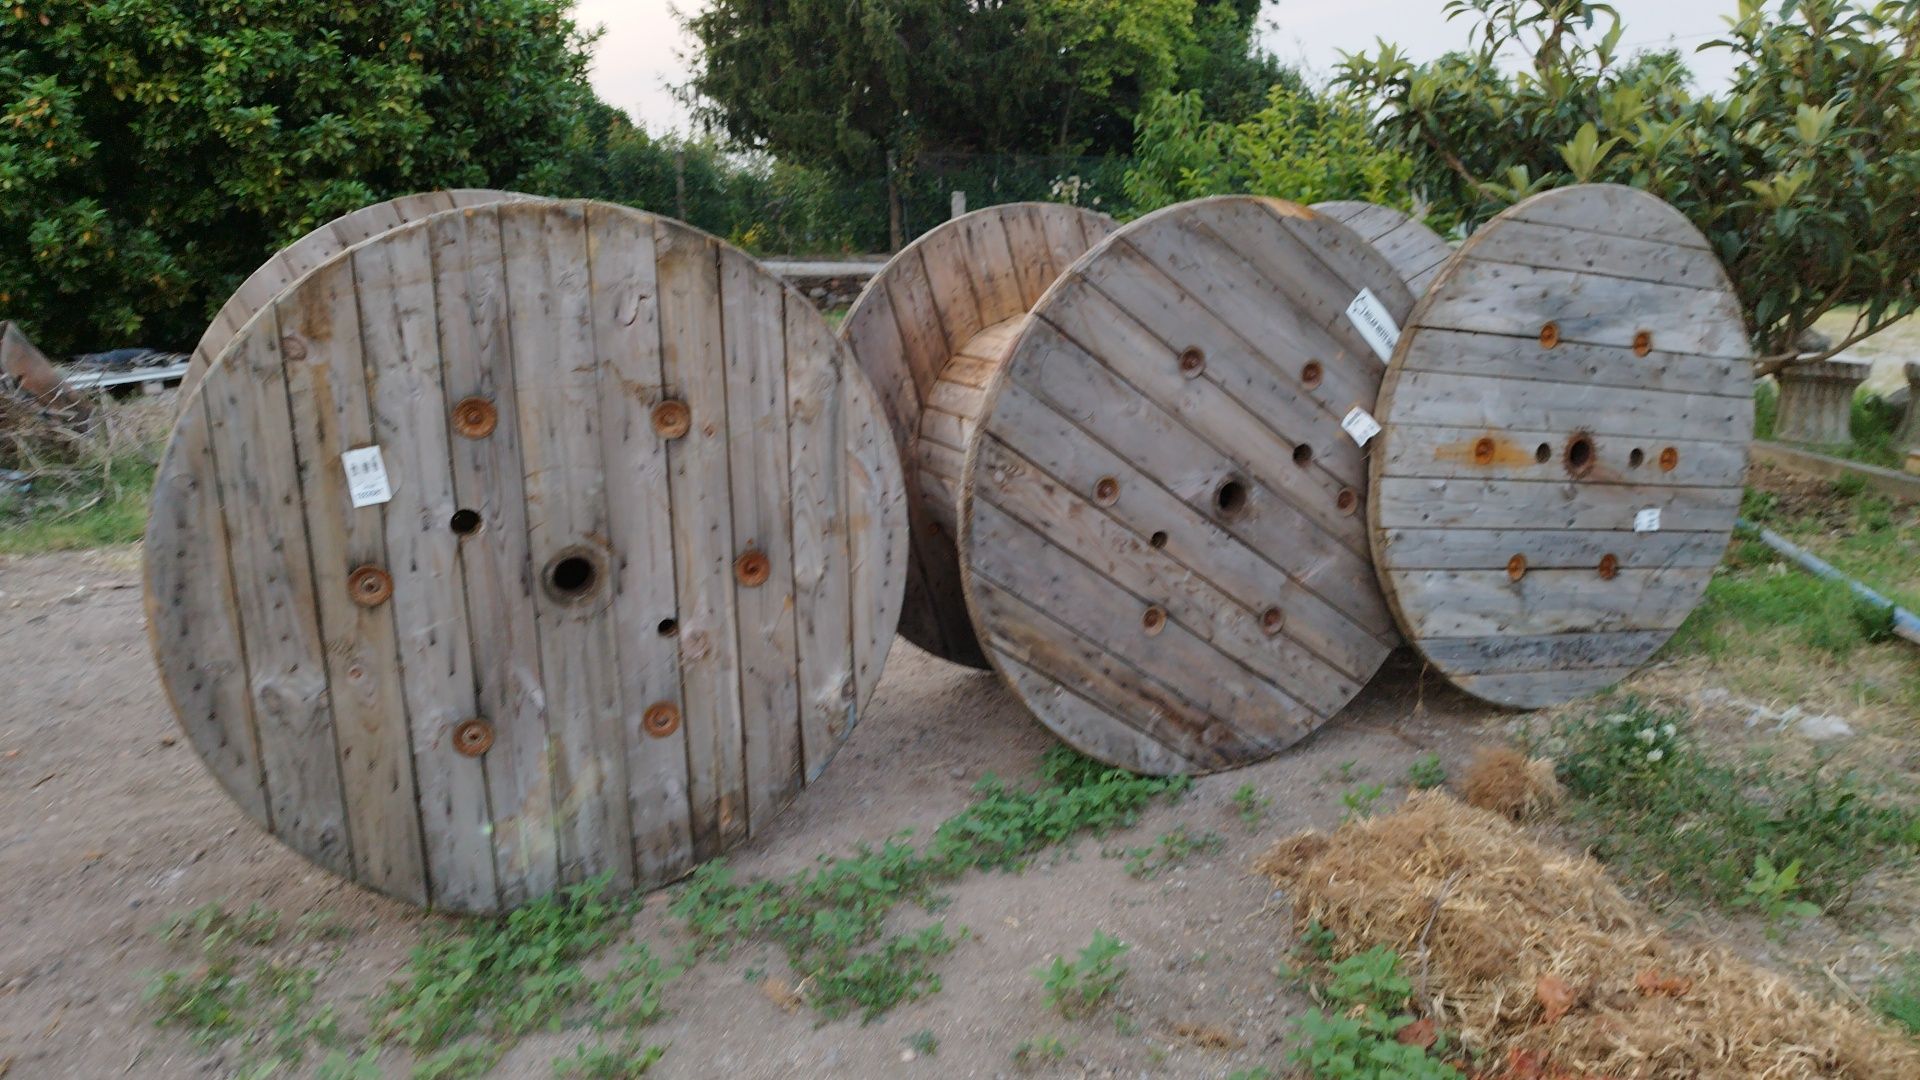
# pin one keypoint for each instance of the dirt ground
(109, 825)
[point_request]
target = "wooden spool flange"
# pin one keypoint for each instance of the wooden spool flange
(930, 330)
(566, 576)
(1162, 530)
(1416, 251)
(292, 262)
(1580, 362)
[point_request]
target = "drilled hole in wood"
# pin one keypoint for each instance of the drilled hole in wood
(1158, 540)
(1106, 491)
(753, 569)
(1192, 362)
(1230, 498)
(1669, 459)
(1580, 455)
(1272, 621)
(1609, 566)
(1347, 501)
(1643, 343)
(1311, 374)
(475, 417)
(465, 522)
(1636, 457)
(1303, 455)
(1516, 568)
(1153, 620)
(1549, 335)
(1543, 453)
(571, 575)
(669, 627)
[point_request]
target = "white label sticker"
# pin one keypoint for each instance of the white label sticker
(1370, 317)
(366, 477)
(1647, 520)
(1360, 425)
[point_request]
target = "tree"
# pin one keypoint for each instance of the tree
(1805, 175)
(154, 152)
(843, 84)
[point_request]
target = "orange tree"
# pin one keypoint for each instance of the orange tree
(1804, 174)
(153, 152)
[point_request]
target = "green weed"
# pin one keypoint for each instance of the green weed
(1250, 805)
(1040, 1050)
(235, 993)
(1353, 1037)
(1898, 997)
(1171, 850)
(922, 1043)
(1078, 987)
(1770, 891)
(1426, 772)
(830, 919)
(631, 1058)
(1658, 807)
(462, 1061)
(1361, 799)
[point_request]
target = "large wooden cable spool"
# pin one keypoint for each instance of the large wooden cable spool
(292, 262)
(636, 580)
(1415, 250)
(930, 330)
(1163, 531)
(1566, 420)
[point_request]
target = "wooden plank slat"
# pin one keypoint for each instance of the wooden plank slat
(1579, 363)
(1181, 528)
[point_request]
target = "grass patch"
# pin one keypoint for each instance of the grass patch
(95, 508)
(831, 919)
(1077, 987)
(1898, 998)
(1874, 422)
(1655, 806)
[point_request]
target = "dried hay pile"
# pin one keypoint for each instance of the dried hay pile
(1536, 959)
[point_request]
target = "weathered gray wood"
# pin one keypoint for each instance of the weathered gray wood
(929, 331)
(493, 729)
(1579, 361)
(1175, 553)
(294, 261)
(1415, 251)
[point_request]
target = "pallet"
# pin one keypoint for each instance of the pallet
(634, 580)
(1566, 422)
(1162, 532)
(930, 330)
(292, 262)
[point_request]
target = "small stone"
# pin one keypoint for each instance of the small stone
(133, 902)
(907, 1055)
(1824, 728)
(957, 773)
(168, 740)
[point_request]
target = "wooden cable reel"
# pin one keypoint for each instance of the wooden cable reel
(535, 662)
(1566, 421)
(1162, 528)
(930, 330)
(290, 263)
(1416, 251)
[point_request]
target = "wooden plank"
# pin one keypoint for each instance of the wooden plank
(1547, 247)
(1475, 401)
(753, 329)
(1457, 352)
(1517, 301)
(1532, 652)
(703, 538)
(1525, 504)
(1547, 548)
(254, 458)
(1034, 263)
(1487, 453)
(626, 337)
(1611, 210)
(192, 615)
(950, 281)
(477, 361)
(1470, 603)
(877, 524)
(366, 674)
(990, 261)
(1086, 728)
(1540, 689)
(556, 379)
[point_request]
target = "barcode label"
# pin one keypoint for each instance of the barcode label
(1369, 316)
(1361, 425)
(366, 477)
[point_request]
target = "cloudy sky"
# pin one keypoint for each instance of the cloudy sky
(643, 52)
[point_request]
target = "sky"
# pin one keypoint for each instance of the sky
(643, 52)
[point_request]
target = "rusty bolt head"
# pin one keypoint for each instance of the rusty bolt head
(1153, 620)
(475, 417)
(1272, 621)
(672, 419)
(1311, 374)
(1106, 491)
(370, 586)
(753, 568)
(661, 719)
(1643, 343)
(1516, 568)
(1669, 459)
(1483, 450)
(473, 738)
(1347, 501)
(1549, 335)
(1609, 566)
(1192, 362)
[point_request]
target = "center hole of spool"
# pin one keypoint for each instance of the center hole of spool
(571, 575)
(1230, 499)
(1580, 454)
(465, 522)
